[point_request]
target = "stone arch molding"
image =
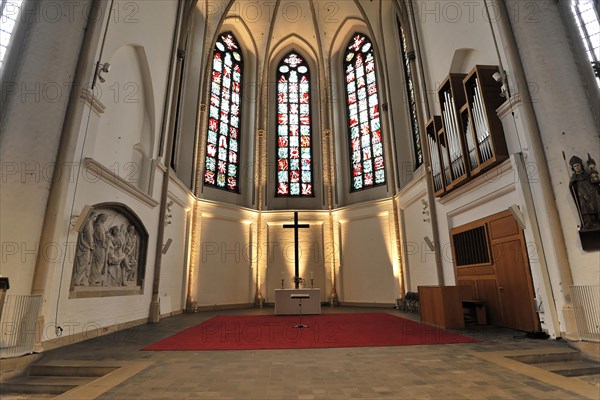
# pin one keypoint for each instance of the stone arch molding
(125, 139)
(110, 254)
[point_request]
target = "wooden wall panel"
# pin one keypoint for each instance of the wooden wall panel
(487, 290)
(475, 271)
(502, 227)
(505, 286)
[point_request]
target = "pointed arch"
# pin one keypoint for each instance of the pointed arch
(279, 51)
(221, 169)
(246, 193)
(294, 128)
(407, 53)
(367, 161)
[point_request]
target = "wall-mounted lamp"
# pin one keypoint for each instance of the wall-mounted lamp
(501, 78)
(105, 68)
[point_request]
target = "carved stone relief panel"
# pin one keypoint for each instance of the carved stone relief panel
(110, 254)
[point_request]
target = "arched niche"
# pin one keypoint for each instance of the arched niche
(126, 131)
(110, 255)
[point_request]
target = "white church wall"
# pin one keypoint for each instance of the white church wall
(174, 271)
(566, 122)
(472, 42)
(419, 258)
(369, 271)
(125, 136)
(280, 263)
(99, 311)
(149, 27)
(35, 100)
(226, 274)
(119, 144)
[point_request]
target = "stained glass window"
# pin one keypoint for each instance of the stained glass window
(9, 15)
(407, 57)
(223, 141)
(364, 124)
(588, 22)
(294, 141)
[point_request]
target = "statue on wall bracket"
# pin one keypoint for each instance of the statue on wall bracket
(110, 255)
(584, 185)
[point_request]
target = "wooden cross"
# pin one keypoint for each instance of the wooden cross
(296, 226)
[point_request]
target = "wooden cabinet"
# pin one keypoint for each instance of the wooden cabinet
(441, 306)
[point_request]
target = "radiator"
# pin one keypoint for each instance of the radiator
(18, 325)
(586, 304)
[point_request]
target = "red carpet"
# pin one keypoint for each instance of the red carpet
(325, 331)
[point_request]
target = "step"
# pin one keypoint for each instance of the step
(549, 358)
(69, 370)
(572, 368)
(44, 384)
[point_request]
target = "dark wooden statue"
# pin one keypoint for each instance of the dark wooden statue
(585, 193)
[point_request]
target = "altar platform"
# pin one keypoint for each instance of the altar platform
(286, 305)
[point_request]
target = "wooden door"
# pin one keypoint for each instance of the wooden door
(513, 276)
(503, 279)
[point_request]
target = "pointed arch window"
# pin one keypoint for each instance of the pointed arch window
(9, 14)
(407, 58)
(223, 141)
(294, 139)
(364, 123)
(588, 22)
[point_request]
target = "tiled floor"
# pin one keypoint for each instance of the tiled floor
(455, 371)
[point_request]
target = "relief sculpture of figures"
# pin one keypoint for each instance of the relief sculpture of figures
(109, 252)
(130, 250)
(98, 267)
(114, 257)
(585, 193)
(84, 252)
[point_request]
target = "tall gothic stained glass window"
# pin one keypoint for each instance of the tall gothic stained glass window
(223, 141)
(9, 15)
(364, 124)
(407, 57)
(588, 22)
(294, 141)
